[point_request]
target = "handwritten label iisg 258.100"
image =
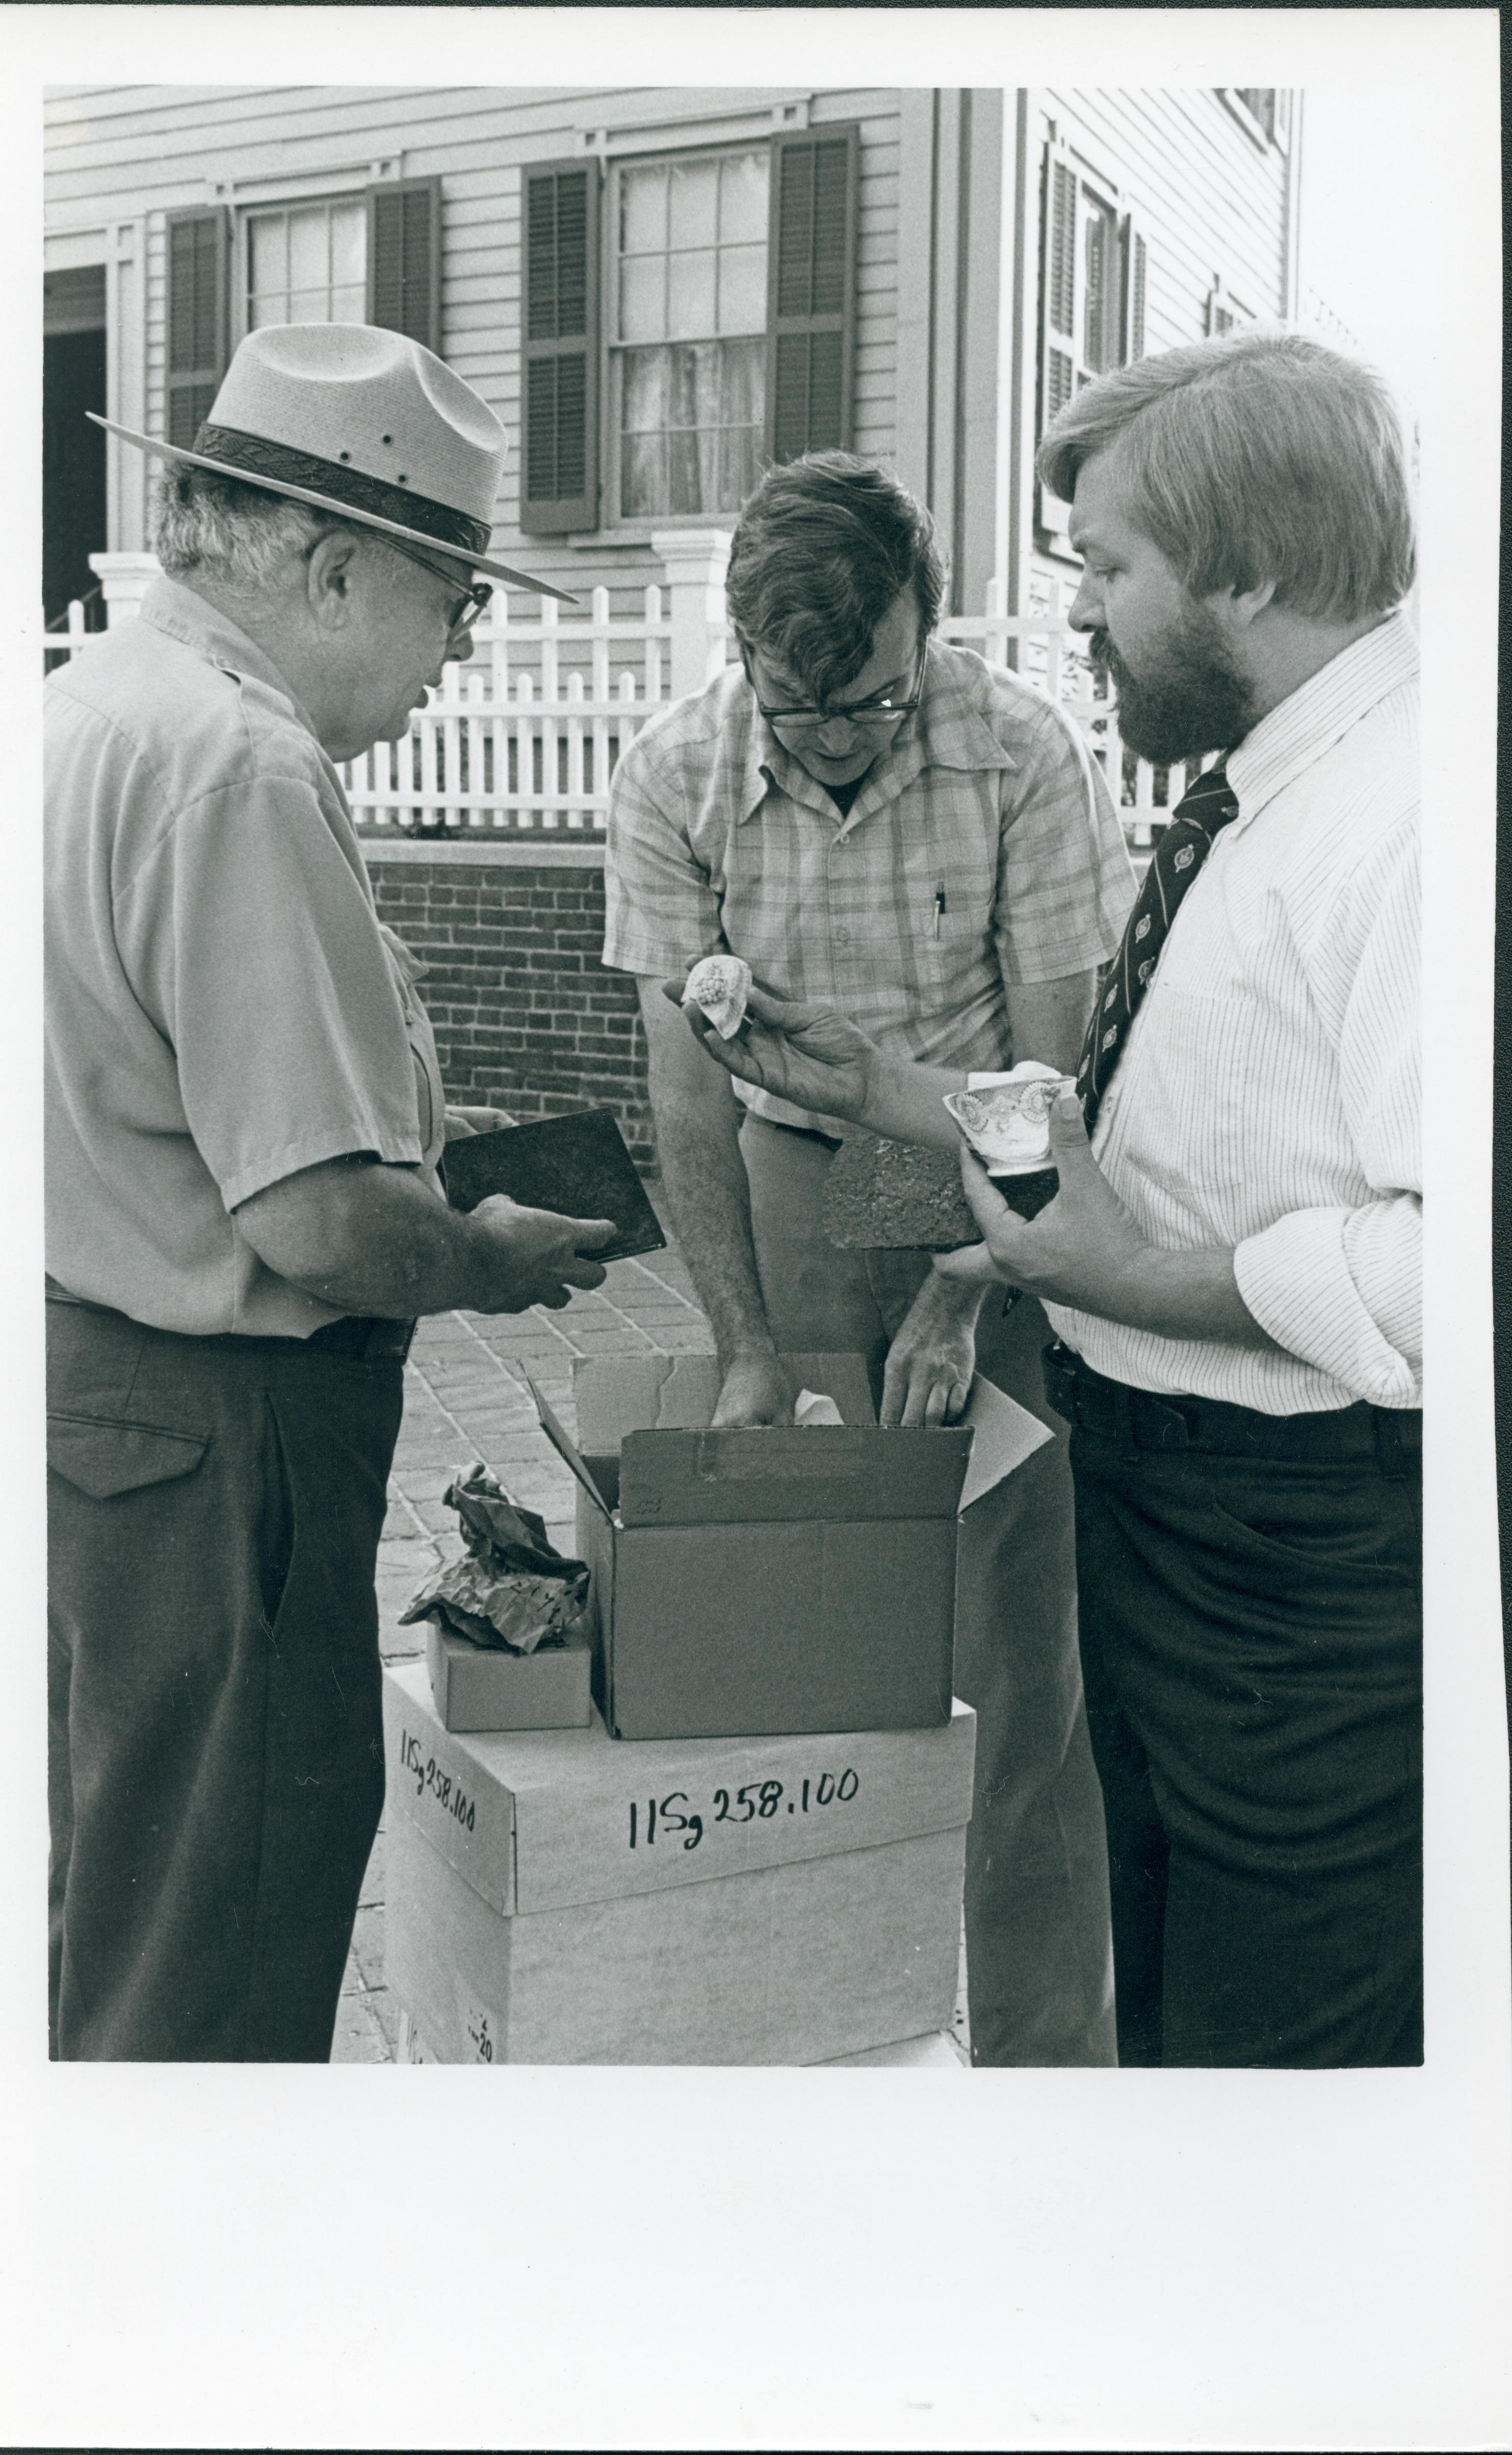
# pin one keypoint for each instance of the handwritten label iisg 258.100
(428, 1776)
(674, 1814)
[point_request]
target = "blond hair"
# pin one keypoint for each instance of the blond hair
(1264, 455)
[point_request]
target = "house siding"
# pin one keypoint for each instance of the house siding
(146, 151)
(1212, 204)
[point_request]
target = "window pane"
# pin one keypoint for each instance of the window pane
(693, 221)
(690, 301)
(308, 307)
(348, 245)
(742, 289)
(308, 251)
(266, 256)
(743, 199)
(642, 298)
(741, 464)
(646, 375)
(642, 482)
(743, 383)
(642, 210)
(350, 306)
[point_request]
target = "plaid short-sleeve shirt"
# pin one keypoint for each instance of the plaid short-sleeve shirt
(982, 852)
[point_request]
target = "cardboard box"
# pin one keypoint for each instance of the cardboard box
(934, 2052)
(790, 1900)
(484, 1688)
(788, 1579)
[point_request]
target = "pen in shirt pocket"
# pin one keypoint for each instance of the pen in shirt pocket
(940, 907)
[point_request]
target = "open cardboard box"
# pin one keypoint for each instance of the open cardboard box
(785, 1579)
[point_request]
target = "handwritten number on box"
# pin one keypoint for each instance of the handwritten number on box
(753, 1800)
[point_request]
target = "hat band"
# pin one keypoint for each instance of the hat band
(260, 458)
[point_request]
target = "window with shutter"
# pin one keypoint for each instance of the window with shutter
(404, 259)
(198, 317)
(1092, 280)
(1262, 111)
(560, 454)
(810, 295)
(1223, 312)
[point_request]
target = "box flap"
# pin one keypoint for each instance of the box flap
(1004, 1434)
(561, 1441)
(617, 1394)
(838, 1473)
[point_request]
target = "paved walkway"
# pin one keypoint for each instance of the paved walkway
(466, 1398)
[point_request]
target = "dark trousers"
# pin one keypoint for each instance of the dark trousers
(215, 1772)
(1251, 1648)
(1038, 1957)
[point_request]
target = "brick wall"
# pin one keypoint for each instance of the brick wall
(525, 1014)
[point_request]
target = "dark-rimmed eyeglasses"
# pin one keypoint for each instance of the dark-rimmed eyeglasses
(875, 714)
(467, 606)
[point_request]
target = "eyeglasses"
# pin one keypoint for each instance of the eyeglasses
(469, 605)
(871, 715)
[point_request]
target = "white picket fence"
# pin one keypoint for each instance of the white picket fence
(523, 738)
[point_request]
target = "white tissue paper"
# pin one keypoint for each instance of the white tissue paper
(811, 1407)
(719, 985)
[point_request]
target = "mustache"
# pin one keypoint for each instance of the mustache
(1103, 656)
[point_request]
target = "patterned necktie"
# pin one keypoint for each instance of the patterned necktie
(1177, 857)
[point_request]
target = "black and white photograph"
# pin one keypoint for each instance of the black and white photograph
(760, 1361)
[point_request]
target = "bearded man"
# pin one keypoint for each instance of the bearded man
(1233, 1262)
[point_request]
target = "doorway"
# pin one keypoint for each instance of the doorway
(73, 500)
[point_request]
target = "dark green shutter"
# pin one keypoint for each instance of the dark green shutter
(404, 258)
(198, 317)
(1136, 281)
(559, 358)
(1057, 286)
(811, 292)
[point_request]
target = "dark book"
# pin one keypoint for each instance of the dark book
(576, 1165)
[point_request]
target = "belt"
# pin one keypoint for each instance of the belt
(1137, 1420)
(360, 1336)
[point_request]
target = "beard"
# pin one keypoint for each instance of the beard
(1192, 699)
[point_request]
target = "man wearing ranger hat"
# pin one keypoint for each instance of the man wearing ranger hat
(244, 1117)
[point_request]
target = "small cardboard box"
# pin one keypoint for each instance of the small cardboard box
(484, 1688)
(554, 1898)
(788, 1579)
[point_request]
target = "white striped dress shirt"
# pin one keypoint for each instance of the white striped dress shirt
(1269, 1095)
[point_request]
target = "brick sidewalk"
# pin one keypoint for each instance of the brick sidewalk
(465, 1398)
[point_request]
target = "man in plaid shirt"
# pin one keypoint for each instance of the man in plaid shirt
(876, 819)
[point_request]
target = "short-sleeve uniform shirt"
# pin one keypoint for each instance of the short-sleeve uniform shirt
(222, 1006)
(982, 852)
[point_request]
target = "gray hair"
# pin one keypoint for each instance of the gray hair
(1264, 455)
(216, 527)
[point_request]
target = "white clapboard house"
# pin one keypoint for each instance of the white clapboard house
(658, 290)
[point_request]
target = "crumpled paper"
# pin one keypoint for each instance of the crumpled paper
(512, 1589)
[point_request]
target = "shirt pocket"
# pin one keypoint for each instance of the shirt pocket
(102, 1455)
(945, 890)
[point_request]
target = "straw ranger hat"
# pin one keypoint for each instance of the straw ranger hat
(363, 422)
